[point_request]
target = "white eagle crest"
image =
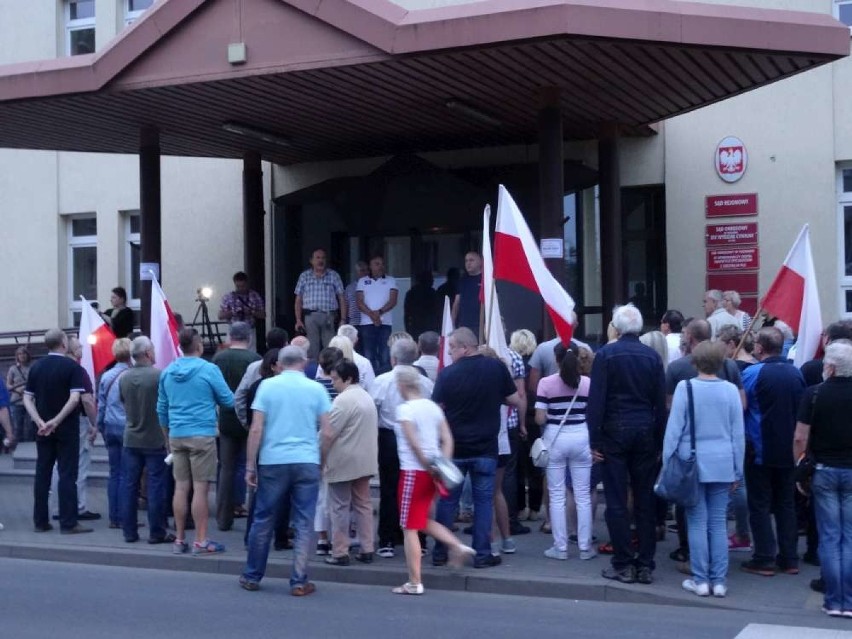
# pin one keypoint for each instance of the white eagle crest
(730, 160)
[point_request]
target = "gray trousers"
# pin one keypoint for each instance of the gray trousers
(320, 329)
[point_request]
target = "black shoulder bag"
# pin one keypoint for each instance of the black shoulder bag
(678, 479)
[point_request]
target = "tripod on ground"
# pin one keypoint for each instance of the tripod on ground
(210, 338)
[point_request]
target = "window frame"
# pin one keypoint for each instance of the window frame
(79, 24)
(835, 10)
(844, 199)
(131, 239)
(131, 16)
(79, 241)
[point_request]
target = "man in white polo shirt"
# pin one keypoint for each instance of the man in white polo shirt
(377, 296)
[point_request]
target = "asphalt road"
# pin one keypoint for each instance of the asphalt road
(46, 599)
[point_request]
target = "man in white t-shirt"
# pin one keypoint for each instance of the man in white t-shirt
(377, 296)
(429, 343)
(365, 368)
(671, 325)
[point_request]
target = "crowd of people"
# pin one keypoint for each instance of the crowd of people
(292, 439)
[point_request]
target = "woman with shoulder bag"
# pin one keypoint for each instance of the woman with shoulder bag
(715, 409)
(560, 408)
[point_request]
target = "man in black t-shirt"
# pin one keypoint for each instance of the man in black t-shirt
(466, 303)
(52, 398)
(824, 426)
(471, 392)
(812, 370)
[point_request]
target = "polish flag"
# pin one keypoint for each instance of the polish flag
(446, 328)
(164, 333)
(495, 333)
(794, 298)
(96, 338)
(517, 259)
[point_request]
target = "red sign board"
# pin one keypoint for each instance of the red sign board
(743, 283)
(748, 303)
(731, 205)
(728, 234)
(733, 259)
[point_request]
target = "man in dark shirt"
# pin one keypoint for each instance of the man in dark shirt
(812, 370)
(233, 362)
(144, 446)
(627, 418)
(471, 391)
(774, 388)
(466, 303)
(824, 425)
(52, 397)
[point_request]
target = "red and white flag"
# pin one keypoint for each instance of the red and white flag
(164, 333)
(517, 259)
(794, 298)
(446, 328)
(96, 338)
(495, 333)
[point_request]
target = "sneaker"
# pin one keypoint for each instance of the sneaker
(847, 614)
(625, 576)
(644, 576)
(591, 553)
(408, 588)
(756, 568)
(702, 589)
(488, 562)
(572, 539)
(323, 547)
(736, 544)
(832, 612)
(180, 547)
(343, 560)
(720, 590)
(509, 546)
(554, 553)
(386, 551)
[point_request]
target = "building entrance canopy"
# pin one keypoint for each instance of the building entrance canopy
(334, 79)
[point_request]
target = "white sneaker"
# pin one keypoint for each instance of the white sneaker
(509, 546)
(702, 590)
(832, 613)
(386, 552)
(720, 590)
(554, 553)
(533, 516)
(591, 553)
(495, 548)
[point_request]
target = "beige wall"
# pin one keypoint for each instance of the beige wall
(790, 166)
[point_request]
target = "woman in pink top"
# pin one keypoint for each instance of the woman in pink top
(560, 408)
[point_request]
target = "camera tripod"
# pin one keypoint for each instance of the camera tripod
(209, 337)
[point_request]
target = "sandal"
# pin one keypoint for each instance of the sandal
(303, 590)
(606, 549)
(207, 547)
(240, 512)
(408, 588)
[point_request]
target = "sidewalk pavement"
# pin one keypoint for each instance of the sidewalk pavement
(526, 573)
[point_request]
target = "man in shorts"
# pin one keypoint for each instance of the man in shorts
(190, 389)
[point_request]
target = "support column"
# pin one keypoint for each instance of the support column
(612, 262)
(551, 182)
(254, 255)
(150, 224)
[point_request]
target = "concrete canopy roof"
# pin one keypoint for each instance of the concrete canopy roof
(334, 79)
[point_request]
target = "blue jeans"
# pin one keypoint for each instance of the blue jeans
(376, 346)
(114, 445)
(276, 482)
(739, 504)
(832, 491)
(482, 471)
(153, 461)
(707, 526)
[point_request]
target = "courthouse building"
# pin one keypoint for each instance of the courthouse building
(210, 136)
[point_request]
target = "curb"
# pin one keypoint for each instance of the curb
(437, 578)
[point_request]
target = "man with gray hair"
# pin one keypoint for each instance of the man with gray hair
(626, 415)
(717, 316)
(429, 344)
(365, 368)
(284, 464)
(144, 446)
(233, 362)
(385, 393)
(471, 391)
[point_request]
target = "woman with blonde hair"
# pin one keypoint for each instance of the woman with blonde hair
(345, 346)
(657, 341)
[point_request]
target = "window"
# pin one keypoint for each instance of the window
(133, 9)
(844, 232)
(132, 259)
(80, 26)
(82, 264)
(843, 11)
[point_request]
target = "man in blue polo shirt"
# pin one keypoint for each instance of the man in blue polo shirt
(284, 464)
(51, 398)
(774, 388)
(471, 392)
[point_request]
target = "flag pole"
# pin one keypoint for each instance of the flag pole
(757, 315)
(489, 325)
